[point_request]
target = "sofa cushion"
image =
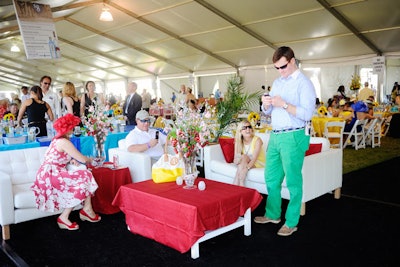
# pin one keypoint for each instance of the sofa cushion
(313, 149)
(228, 148)
(23, 196)
(326, 145)
(228, 169)
(256, 175)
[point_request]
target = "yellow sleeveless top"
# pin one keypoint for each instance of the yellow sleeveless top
(260, 162)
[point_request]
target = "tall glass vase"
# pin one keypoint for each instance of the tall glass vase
(99, 153)
(191, 172)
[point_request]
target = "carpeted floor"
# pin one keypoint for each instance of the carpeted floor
(357, 230)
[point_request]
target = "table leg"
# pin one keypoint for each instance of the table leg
(247, 222)
(244, 221)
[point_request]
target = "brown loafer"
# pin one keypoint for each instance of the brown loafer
(263, 219)
(286, 231)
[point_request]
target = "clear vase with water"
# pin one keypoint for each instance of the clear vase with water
(191, 172)
(99, 153)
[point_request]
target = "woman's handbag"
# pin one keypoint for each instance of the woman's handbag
(167, 168)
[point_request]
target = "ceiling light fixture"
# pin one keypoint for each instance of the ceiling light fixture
(106, 15)
(15, 48)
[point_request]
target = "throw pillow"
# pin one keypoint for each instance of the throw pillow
(313, 149)
(228, 148)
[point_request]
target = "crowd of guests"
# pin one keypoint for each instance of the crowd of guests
(40, 104)
(351, 108)
(185, 97)
(356, 107)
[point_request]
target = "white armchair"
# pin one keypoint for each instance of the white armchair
(139, 164)
(17, 173)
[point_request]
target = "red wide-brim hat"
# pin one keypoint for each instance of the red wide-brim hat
(65, 124)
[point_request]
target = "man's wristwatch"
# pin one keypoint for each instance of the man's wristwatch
(285, 106)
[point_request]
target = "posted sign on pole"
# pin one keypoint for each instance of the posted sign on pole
(38, 30)
(378, 64)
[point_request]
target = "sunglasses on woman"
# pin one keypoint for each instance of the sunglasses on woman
(247, 127)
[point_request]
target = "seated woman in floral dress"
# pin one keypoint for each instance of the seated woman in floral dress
(60, 188)
(249, 151)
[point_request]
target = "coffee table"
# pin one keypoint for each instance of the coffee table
(181, 218)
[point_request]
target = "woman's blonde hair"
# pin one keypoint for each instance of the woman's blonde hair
(239, 136)
(69, 90)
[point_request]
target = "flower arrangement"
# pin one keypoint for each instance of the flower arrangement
(322, 111)
(117, 110)
(253, 118)
(9, 117)
(191, 130)
(355, 82)
(97, 124)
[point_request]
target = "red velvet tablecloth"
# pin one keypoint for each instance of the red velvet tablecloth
(178, 217)
(109, 181)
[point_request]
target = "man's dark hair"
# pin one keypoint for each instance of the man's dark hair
(44, 77)
(283, 51)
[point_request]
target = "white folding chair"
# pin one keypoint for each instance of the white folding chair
(377, 133)
(334, 133)
(312, 132)
(357, 136)
(386, 125)
(373, 132)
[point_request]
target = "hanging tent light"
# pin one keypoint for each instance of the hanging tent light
(15, 48)
(106, 15)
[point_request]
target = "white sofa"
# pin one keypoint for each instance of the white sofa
(139, 164)
(17, 173)
(322, 172)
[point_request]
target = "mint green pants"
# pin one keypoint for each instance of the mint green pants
(284, 158)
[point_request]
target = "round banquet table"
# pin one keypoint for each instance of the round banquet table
(318, 124)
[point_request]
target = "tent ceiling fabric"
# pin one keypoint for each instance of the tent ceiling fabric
(178, 37)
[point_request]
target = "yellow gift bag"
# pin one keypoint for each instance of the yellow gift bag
(167, 169)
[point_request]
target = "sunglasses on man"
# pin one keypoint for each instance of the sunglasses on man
(282, 67)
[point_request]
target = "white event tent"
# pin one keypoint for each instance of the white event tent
(164, 43)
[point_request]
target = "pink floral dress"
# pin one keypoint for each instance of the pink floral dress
(55, 187)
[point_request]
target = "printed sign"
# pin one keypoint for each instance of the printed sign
(378, 64)
(37, 30)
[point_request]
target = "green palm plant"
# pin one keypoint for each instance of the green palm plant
(235, 101)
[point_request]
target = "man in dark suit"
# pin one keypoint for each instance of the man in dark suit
(133, 103)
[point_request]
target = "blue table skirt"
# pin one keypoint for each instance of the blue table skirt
(85, 144)
(4, 147)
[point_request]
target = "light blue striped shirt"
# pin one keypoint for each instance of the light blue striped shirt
(297, 90)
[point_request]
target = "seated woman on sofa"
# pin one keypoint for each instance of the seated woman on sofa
(58, 187)
(248, 151)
